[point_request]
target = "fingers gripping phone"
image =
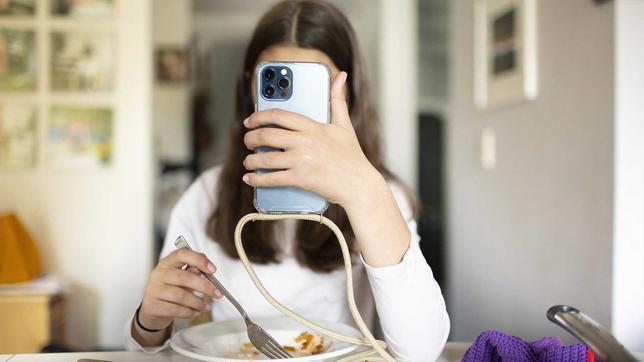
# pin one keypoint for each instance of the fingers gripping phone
(302, 88)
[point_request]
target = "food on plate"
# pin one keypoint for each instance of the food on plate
(305, 344)
(246, 350)
(310, 344)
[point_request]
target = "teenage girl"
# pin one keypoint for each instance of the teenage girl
(300, 262)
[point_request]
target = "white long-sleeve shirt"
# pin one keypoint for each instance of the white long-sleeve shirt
(408, 300)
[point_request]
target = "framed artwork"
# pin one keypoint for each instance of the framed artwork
(18, 136)
(505, 52)
(171, 65)
(83, 9)
(81, 62)
(17, 60)
(79, 137)
(17, 8)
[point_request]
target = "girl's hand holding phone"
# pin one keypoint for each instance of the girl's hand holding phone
(169, 292)
(323, 158)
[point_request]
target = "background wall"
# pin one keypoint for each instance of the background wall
(398, 91)
(537, 230)
(628, 254)
(171, 103)
(94, 227)
(171, 113)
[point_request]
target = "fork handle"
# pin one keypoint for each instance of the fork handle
(181, 243)
(226, 294)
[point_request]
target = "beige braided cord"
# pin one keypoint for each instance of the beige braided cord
(368, 339)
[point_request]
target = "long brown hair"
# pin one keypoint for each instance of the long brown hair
(307, 24)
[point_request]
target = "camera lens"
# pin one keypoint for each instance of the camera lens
(269, 74)
(269, 91)
(283, 83)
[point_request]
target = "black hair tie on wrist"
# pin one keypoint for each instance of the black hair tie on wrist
(138, 322)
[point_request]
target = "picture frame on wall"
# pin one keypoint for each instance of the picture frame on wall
(505, 52)
(79, 137)
(171, 65)
(17, 59)
(17, 8)
(81, 61)
(82, 10)
(18, 136)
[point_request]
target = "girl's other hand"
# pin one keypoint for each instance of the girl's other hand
(169, 292)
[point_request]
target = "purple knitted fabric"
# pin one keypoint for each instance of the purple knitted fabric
(497, 346)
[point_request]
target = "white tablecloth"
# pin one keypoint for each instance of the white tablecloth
(452, 353)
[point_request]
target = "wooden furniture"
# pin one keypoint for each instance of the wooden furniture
(32, 316)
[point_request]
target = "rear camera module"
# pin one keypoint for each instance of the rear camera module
(283, 83)
(275, 82)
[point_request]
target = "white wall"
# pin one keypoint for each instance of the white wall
(94, 228)
(171, 110)
(537, 230)
(398, 88)
(171, 26)
(628, 254)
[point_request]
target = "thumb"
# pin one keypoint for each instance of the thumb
(339, 109)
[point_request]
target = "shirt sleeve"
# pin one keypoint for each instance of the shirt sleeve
(409, 301)
(132, 345)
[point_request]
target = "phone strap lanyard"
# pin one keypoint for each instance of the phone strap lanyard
(367, 339)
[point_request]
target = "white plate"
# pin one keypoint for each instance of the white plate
(215, 340)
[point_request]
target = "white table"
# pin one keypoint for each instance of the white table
(452, 353)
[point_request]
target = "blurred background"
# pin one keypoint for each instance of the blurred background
(519, 123)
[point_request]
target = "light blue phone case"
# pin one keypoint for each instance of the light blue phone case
(309, 96)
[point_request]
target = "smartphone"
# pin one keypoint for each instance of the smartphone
(302, 88)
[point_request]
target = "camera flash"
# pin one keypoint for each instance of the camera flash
(283, 71)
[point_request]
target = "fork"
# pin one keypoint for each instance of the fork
(256, 334)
